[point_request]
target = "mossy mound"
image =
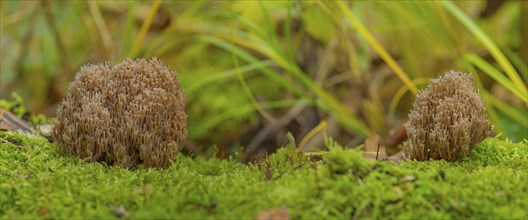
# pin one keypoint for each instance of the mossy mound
(40, 181)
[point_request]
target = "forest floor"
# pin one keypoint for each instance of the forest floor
(39, 181)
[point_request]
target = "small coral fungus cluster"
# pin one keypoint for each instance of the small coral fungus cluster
(126, 114)
(448, 118)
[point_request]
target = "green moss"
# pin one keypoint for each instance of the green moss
(40, 181)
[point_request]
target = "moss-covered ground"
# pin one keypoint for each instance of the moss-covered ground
(39, 181)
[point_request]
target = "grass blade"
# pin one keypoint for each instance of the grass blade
(144, 28)
(227, 74)
(247, 57)
(101, 26)
(377, 47)
(204, 127)
(248, 92)
(399, 94)
(509, 111)
(326, 101)
(487, 42)
(497, 76)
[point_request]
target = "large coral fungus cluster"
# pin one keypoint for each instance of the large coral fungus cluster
(126, 114)
(448, 118)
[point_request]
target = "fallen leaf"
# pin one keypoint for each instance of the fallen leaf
(396, 157)
(407, 179)
(274, 214)
(396, 136)
(43, 211)
(119, 211)
(373, 149)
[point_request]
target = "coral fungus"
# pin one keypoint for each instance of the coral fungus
(448, 118)
(126, 114)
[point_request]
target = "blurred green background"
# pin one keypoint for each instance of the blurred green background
(255, 70)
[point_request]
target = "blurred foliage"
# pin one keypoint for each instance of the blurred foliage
(245, 64)
(15, 104)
